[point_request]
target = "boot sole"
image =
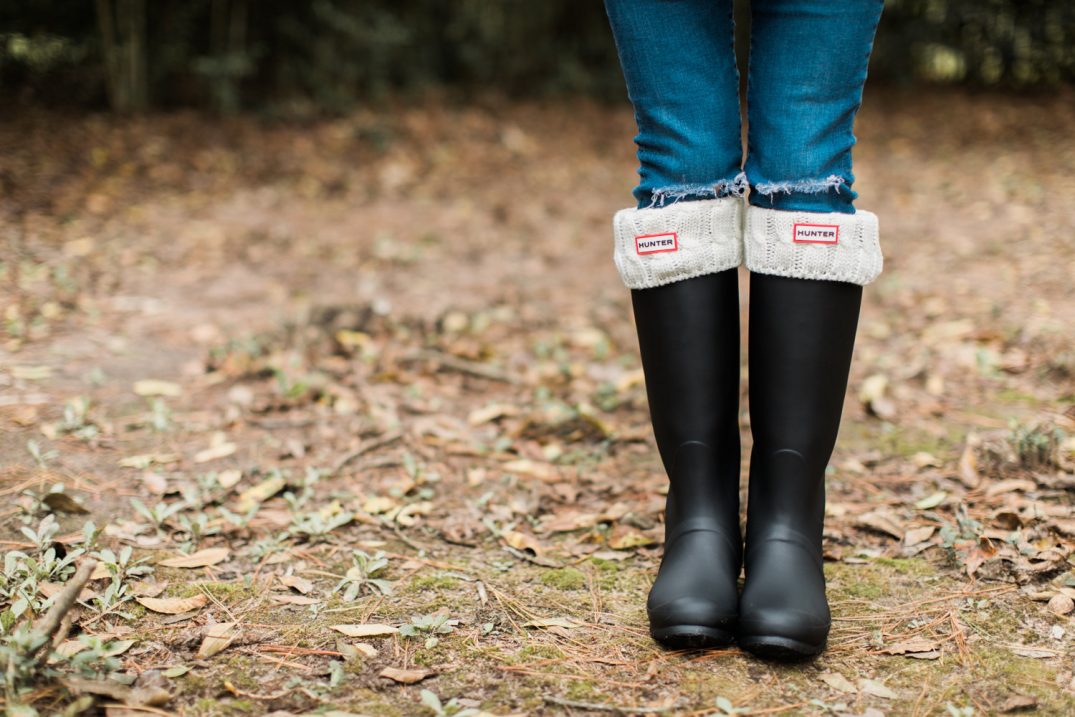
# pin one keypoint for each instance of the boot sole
(781, 649)
(692, 637)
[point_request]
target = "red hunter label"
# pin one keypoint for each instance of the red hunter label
(815, 233)
(656, 243)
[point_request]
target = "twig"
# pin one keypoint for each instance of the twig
(463, 366)
(365, 448)
(406, 541)
(251, 695)
(597, 706)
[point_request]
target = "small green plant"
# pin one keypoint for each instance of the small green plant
(121, 566)
(160, 415)
(1036, 446)
(196, 527)
(46, 531)
(40, 457)
(76, 421)
(317, 524)
(19, 651)
(289, 387)
(966, 528)
(158, 514)
(727, 708)
(362, 575)
(437, 623)
(122, 569)
(269, 546)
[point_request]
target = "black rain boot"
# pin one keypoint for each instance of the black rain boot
(688, 335)
(802, 333)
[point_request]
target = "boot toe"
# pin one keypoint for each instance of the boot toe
(692, 622)
(782, 633)
(691, 610)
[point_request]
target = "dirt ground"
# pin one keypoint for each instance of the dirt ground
(270, 351)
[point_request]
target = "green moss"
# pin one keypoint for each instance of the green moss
(564, 579)
(219, 590)
(532, 652)
(606, 566)
(857, 581)
(432, 582)
(210, 707)
(583, 691)
(427, 657)
(1011, 395)
(907, 566)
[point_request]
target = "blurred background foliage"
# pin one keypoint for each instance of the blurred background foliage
(327, 55)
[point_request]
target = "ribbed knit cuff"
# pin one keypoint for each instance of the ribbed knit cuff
(661, 245)
(809, 245)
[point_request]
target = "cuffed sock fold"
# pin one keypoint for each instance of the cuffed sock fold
(811, 245)
(660, 245)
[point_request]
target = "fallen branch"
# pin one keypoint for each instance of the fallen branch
(50, 624)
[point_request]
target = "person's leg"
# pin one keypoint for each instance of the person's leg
(809, 253)
(678, 251)
(679, 63)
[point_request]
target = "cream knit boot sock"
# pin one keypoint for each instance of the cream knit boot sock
(810, 245)
(660, 245)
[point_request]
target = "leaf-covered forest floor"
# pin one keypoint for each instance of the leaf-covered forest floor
(282, 349)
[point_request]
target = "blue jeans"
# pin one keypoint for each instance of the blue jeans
(808, 63)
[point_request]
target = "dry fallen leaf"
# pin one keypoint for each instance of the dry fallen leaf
(491, 413)
(838, 682)
(542, 471)
(567, 521)
(153, 387)
(64, 503)
(149, 696)
(221, 450)
(565, 622)
(915, 647)
(873, 394)
(366, 630)
(968, 463)
(147, 459)
(296, 583)
(1061, 604)
(522, 541)
(914, 536)
(931, 501)
(882, 522)
(50, 589)
(296, 599)
(173, 606)
(200, 559)
(217, 637)
(1019, 703)
(258, 494)
(229, 478)
(875, 688)
(632, 539)
(1038, 653)
(406, 677)
(155, 482)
